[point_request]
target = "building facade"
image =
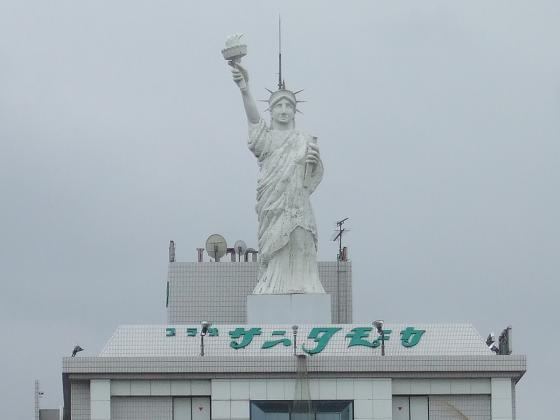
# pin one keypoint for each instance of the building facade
(234, 370)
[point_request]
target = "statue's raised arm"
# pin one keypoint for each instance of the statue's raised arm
(241, 78)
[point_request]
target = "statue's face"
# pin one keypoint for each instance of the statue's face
(283, 111)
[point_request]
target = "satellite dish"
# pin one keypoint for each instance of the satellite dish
(216, 246)
(240, 248)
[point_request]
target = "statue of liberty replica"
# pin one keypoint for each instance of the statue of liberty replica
(290, 169)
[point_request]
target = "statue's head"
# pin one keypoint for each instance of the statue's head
(282, 106)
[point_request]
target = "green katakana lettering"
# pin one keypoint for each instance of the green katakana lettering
(247, 337)
(410, 336)
(271, 343)
(358, 337)
(321, 336)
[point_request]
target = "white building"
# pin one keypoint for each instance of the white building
(253, 371)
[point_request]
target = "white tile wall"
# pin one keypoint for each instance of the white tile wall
(382, 409)
(275, 389)
(120, 388)
(502, 402)
(80, 404)
(142, 408)
(363, 409)
(160, 388)
(190, 300)
(420, 386)
(257, 389)
(382, 399)
(327, 389)
(460, 386)
(125, 388)
(240, 389)
(314, 389)
(100, 399)
(201, 387)
(363, 388)
(501, 408)
(220, 409)
(480, 386)
(345, 389)
(140, 388)
(100, 389)
(441, 386)
(289, 389)
(221, 389)
(240, 409)
(100, 410)
(501, 387)
(400, 387)
(382, 389)
(180, 387)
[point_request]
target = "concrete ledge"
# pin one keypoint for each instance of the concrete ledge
(289, 309)
(393, 366)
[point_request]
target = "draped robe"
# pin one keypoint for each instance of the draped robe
(287, 232)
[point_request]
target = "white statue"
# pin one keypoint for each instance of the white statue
(290, 169)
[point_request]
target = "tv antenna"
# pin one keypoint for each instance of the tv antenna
(339, 232)
(216, 246)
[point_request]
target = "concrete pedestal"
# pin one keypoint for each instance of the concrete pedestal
(289, 309)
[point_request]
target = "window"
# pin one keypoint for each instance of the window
(290, 410)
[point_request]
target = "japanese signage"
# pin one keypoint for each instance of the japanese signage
(319, 337)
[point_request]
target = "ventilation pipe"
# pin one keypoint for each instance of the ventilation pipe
(171, 251)
(345, 254)
(253, 253)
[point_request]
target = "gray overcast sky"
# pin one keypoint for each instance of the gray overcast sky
(120, 129)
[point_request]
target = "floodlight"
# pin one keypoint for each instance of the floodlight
(378, 324)
(294, 331)
(77, 349)
(504, 342)
(491, 343)
(205, 325)
(204, 330)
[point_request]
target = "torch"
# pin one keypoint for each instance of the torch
(233, 51)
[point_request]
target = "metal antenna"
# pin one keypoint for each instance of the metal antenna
(340, 257)
(281, 84)
(338, 236)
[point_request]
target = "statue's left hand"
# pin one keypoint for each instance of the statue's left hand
(312, 156)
